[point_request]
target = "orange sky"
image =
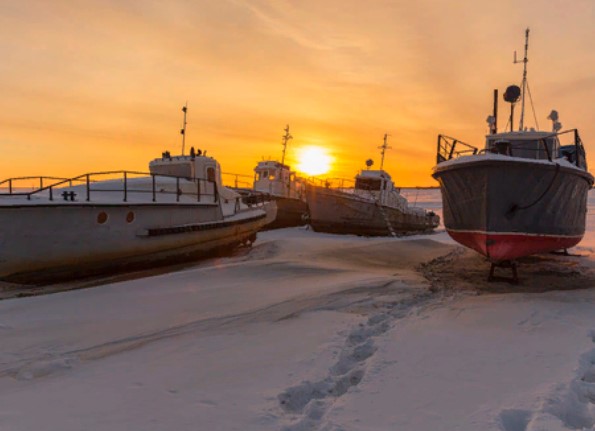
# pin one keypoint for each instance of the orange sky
(98, 85)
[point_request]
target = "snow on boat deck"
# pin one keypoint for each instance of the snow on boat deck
(308, 331)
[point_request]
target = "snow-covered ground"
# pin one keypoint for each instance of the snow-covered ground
(311, 331)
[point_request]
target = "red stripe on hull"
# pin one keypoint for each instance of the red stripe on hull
(511, 246)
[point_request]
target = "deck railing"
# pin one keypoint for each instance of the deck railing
(578, 157)
(13, 183)
(332, 183)
(200, 190)
(237, 180)
(450, 147)
(253, 197)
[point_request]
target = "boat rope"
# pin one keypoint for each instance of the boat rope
(532, 107)
(516, 207)
(386, 220)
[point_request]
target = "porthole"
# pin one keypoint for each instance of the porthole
(101, 217)
(130, 217)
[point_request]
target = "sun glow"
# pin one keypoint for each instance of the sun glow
(313, 160)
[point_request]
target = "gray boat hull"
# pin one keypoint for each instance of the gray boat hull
(510, 207)
(290, 212)
(334, 211)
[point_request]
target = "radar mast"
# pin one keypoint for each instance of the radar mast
(524, 84)
(384, 147)
(286, 137)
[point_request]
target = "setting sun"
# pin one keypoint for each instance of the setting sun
(313, 160)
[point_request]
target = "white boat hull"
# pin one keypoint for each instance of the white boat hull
(51, 242)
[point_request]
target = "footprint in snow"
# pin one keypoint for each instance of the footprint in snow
(349, 359)
(514, 420)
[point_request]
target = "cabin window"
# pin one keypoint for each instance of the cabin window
(211, 174)
(183, 170)
(368, 184)
(263, 175)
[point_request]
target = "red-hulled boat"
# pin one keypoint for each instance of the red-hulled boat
(525, 193)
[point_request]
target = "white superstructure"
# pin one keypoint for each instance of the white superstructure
(278, 180)
(377, 186)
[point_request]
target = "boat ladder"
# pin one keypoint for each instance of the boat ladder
(386, 220)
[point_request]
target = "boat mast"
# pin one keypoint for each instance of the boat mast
(286, 137)
(183, 131)
(384, 147)
(524, 84)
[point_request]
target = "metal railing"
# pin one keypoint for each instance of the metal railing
(237, 180)
(579, 158)
(332, 183)
(13, 183)
(87, 180)
(447, 148)
(253, 197)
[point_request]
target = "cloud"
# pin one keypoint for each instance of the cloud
(340, 72)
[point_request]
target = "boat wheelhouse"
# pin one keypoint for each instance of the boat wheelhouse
(276, 179)
(379, 186)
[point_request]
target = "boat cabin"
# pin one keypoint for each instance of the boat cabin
(378, 185)
(373, 180)
(538, 145)
(192, 166)
(278, 180)
(530, 144)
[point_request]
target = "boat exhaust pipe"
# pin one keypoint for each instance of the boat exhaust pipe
(495, 114)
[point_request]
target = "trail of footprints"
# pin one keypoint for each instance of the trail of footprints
(308, 402)
(572, 405)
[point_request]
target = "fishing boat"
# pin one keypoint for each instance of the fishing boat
(524, 193)
(105, 222)
(274, 180)
(373, 207)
